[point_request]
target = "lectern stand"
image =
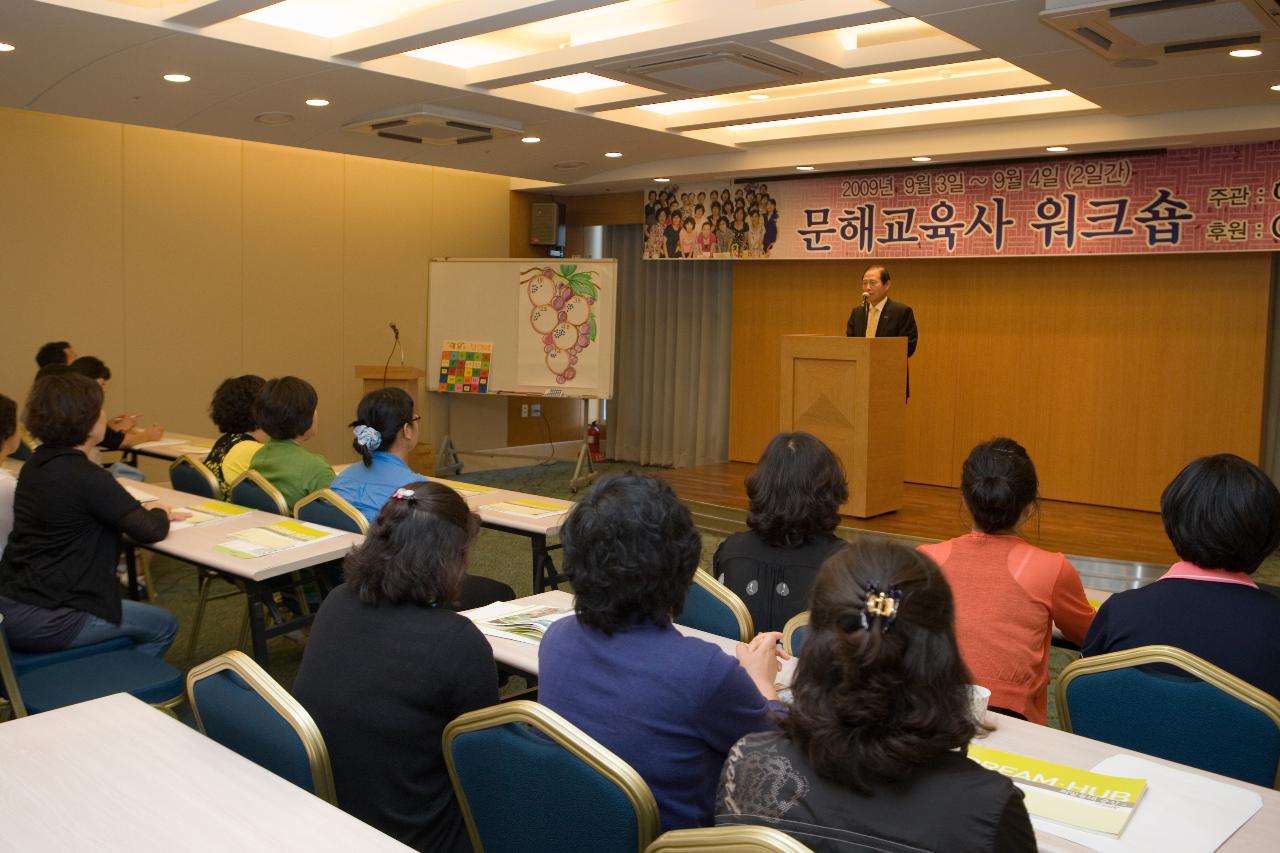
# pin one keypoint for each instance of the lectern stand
(851, 393)
(375, 376)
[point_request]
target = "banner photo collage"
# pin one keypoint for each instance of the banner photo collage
(1219, 199)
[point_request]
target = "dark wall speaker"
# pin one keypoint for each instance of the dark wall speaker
(544, 226)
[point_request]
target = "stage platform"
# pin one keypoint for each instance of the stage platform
(1116, 548)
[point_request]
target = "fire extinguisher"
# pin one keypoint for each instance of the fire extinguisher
(595, 435)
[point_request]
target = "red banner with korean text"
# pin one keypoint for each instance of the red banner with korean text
(1220, 199)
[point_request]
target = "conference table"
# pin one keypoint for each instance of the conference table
(169, 447)
(1260, 833)
(115, 774)
(259, 575)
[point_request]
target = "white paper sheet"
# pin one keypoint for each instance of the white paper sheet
(1181, 811)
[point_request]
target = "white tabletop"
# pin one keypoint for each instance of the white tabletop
(196, 544)
(1009, 735)
(174, 444)
(116, 774)
(547, 525)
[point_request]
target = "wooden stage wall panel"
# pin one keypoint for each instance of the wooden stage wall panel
(1113, 371)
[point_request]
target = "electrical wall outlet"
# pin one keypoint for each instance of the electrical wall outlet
(524, 410)
(536, 409)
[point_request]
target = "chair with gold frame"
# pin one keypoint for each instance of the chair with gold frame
(727, 839)
(237, 704)
(712, 607)
(329, 509)
(514, 768)
(1187, 710)
(255, 491)
(188, 474)
(795, 632)
(77, 677)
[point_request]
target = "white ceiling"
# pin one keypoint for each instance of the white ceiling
(874, 83)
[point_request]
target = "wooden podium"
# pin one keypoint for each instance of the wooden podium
(851, 393)
(375, 376)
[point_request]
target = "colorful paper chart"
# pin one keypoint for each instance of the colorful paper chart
(464, 367)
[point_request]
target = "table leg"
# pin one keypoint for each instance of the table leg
(258, 624)
(131, 570)
(544, 568)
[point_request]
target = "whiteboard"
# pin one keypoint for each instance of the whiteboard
(550, 323)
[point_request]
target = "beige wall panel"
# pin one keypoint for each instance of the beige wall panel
(471, 215)
(1113, 371)
(387, 231)
(60, 251)
(182, 269)
(293, 278)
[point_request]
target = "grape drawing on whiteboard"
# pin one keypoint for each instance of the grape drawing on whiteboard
(562, 314)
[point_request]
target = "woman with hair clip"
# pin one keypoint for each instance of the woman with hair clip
(1009, 593)
(795, 493)
(389, 664)
(871, 755)
(385, 432)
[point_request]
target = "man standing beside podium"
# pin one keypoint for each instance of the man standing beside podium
(879, 316)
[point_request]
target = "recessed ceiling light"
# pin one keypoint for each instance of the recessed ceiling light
(805, 168)
(5, 47)
(758, 97)
(317, 102)
(613, 154)
(661, 180)
(577, 84)
(1276, 88)
(1245, 53)
(1057, 149)
(879, 81)
(273, 118)
(921, 159)
(178, 78)
(531, 139)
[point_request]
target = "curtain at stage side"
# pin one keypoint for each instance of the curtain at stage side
(671, 393)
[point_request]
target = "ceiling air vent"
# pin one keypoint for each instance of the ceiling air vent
(423, 124)
(711, 69)
(1133, 29)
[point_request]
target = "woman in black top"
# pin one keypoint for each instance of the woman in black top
(871, 755)
(388, 665)
(58, 574)
(795, 492)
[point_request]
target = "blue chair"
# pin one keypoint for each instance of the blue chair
(190, 475)
(24, 662)
(328, 509)
(238, 705)
(736, 838)
(795, 632)
(712, 607)
(256, 492)
(75, 679)
(527, 779)
(1169, 703)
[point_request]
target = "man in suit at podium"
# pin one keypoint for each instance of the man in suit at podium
(879, 316)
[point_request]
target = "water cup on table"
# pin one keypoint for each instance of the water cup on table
(979, 696)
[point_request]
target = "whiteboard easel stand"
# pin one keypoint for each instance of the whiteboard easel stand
(447, 462)
(580, 478)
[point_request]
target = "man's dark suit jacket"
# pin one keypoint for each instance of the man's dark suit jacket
(896, 321)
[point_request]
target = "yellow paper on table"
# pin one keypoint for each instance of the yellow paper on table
(1067, 795)
(271, 539)
(219, 509)
(529, 508)
(467, 490)
(1095, 604)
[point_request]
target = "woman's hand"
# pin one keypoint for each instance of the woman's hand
(177, 514)
(762, 658)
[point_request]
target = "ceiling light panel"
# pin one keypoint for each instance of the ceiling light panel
(906, 39)
(1024, 104)
(333, 18)
(577, 84)
(616, 20)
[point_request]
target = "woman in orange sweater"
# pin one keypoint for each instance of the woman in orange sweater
(1009, 594)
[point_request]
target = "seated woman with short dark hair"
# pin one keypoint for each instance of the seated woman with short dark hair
(285, 409)
(795, 491)
(232, 412)
(58, 584)
(388, 665)
(871, 755)
(1222, 514)
(667, 704)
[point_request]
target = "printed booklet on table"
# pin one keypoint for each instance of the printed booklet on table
(1067, 795)
(272, 539)
(525, 623)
